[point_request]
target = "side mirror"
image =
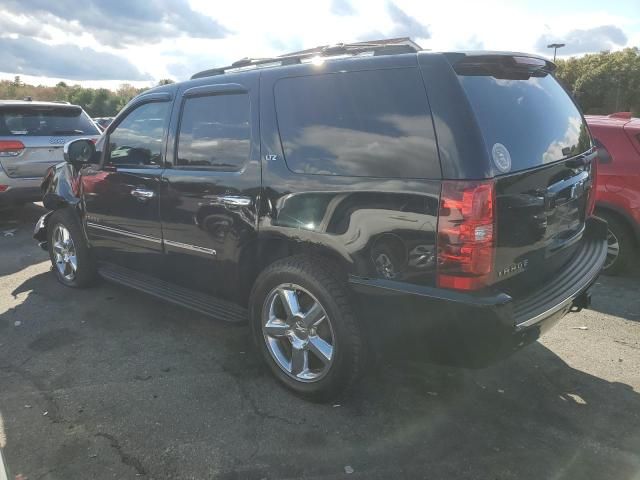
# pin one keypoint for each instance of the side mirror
(79, 151)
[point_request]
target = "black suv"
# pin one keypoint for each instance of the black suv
(349, 201)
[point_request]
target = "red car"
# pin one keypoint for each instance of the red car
(617, 137)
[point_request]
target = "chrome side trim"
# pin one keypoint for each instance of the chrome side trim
(124, 232)
(193, 248)
(185, 246)
(235, 200)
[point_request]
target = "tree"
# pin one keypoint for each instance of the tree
(165, 81)
(605, 82)
(97, 102)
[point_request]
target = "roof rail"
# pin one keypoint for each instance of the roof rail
(63, 102)
(339, 49)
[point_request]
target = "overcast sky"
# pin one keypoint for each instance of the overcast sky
(109, 42)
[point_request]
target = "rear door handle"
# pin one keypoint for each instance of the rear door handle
(143, 193)
(235, 200)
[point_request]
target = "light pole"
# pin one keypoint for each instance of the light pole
(555, 47)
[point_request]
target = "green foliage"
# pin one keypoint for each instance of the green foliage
(605, 82)
(97, 102)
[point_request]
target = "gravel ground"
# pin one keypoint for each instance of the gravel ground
(109, 383)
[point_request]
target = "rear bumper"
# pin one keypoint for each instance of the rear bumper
(474, 329)
(19, 190)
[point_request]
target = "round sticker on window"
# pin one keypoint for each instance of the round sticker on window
(501, 157)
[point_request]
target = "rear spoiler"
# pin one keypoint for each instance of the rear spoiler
(506, 65)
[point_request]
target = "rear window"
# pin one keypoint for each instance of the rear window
(534, 118)
(362, 124)
(45, 121)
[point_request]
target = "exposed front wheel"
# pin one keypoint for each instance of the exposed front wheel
(304, 325)
(68, 251)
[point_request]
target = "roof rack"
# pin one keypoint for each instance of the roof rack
(337, 50)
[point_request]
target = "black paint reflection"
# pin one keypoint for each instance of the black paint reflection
(391, 235)
(369, 123)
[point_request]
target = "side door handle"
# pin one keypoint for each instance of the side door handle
(143, 194)
(235, 200)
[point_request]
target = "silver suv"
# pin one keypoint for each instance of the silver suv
(32, 136)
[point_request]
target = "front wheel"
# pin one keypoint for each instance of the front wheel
(303, 323)
(68, 251)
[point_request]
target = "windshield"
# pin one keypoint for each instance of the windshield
(45, 121)
(534, 118)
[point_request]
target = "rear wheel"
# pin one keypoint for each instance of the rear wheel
(620, 245)
(68, 251)
(304, 325)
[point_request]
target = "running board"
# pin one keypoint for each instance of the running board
(200, 302)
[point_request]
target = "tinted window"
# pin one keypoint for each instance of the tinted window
(372, 123)
(138, 140)
(215, 132)
(45, 121)
(533, 118)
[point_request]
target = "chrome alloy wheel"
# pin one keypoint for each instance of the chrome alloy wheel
(298, 333)
(613, 249)
(64, 252)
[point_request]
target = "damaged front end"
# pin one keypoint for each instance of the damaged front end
(59, 190)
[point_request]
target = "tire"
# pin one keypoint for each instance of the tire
(63, 255)
(325, 373)
(618, 234)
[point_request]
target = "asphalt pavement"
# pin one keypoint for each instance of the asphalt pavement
(109, 383)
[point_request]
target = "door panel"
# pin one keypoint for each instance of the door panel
(122, 228)
(122, 197)
(211, 188)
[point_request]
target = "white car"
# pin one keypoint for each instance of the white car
(32, 136)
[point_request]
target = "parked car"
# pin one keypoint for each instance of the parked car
(617, 138)
(32, 137)
(349, 207)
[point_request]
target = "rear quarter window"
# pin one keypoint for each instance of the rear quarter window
(360, 124)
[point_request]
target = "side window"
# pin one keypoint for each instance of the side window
(363, 124)
(215, 132)
(138, 140)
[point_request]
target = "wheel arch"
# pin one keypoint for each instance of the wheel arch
(622, 216)
(271, 249)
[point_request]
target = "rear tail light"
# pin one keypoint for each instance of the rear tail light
(10, 148)
(4, 188)
(466, 234)
(591, 202)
